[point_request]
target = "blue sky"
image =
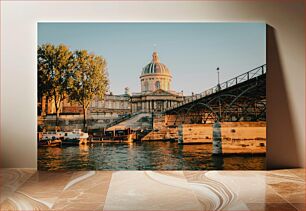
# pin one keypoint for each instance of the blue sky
(192, 51)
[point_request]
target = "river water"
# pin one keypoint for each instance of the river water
(142, 156)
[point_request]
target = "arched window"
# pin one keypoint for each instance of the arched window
(146, 86)
(157, 85)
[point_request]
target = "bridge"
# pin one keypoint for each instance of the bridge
(242, 98)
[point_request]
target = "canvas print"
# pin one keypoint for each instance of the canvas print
(151, 96)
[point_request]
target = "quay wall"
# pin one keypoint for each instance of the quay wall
(161, 131)
(202, 133)
(234, 131)
(162, 134)
(237, 137)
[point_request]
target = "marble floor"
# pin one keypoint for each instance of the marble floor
(27, 189)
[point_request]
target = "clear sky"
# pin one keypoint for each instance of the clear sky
(192, 51)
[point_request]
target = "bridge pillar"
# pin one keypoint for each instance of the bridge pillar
(180, 134)
(217, 139)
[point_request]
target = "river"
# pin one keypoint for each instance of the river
(142, 156)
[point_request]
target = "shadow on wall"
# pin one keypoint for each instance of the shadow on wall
(281, 140)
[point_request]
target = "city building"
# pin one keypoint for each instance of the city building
(156, 95)
(111, 105)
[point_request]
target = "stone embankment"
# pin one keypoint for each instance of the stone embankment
(237, 137)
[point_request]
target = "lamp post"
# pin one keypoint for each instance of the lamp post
(217, 137)
(219, 89)
(218, 71)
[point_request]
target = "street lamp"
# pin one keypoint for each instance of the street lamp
(219, 89)
(217, 137)
(218, 71)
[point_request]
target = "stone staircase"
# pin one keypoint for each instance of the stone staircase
(121, 119)
(162, 134)
(160, 130)
(135, 121)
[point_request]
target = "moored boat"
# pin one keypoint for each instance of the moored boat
(49, 143)
(52, 135)
(75, 137)
(114, 135)
(58, 138)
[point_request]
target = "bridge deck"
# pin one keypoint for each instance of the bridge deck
(243, 95)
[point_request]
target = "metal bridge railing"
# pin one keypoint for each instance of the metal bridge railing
(258, 71)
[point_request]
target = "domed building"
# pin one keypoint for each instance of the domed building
(156, 93)
(155, 75)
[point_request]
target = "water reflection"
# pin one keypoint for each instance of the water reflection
(218, 162)
(84, 153)
(142, 156)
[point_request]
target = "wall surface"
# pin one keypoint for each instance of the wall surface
(285, 59)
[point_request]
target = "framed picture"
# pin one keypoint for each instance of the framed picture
(151, 96)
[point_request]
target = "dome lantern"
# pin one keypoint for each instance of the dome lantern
(155, 58)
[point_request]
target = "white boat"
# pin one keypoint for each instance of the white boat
(46, 136)
(49, 139)
(75, 137)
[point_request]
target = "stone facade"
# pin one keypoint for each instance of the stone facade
(154, 101)
(100, 113)
(111, 104)
(119, 104)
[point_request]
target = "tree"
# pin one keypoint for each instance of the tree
(54, 64)
(89, 80)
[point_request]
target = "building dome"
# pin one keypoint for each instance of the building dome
(155, 67)
(155, 75)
